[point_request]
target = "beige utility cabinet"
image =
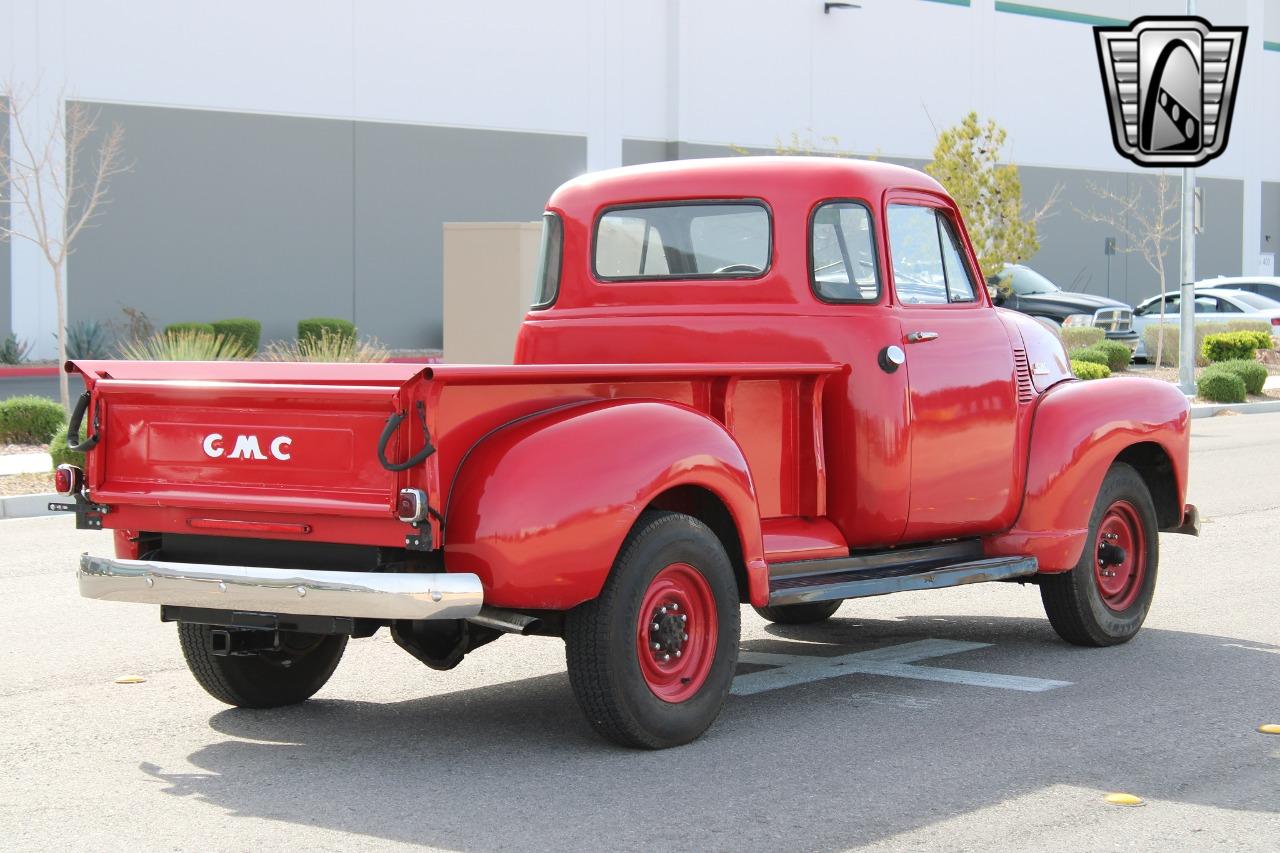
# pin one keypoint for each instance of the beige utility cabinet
(488, 286)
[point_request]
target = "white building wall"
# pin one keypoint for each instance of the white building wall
(723, 72)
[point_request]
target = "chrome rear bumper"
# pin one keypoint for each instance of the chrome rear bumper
(301, 592)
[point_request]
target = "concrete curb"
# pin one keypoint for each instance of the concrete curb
(28, 506)
(1208, 410)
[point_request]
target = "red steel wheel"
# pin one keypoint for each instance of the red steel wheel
(1104, 599)
(1119, 564)
(676, 632)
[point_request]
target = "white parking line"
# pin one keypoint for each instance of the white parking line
(894, 661)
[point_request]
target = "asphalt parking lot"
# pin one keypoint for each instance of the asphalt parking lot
(968, 726)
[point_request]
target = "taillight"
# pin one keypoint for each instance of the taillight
(67, 479)
(1275, 321)
(411, 507)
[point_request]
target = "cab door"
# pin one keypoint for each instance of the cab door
(963, 400)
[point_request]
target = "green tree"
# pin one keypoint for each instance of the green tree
(966, 161)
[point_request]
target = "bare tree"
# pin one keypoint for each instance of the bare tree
(59, 186)
(1148, 228)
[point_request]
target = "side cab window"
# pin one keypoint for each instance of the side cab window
(928, 258)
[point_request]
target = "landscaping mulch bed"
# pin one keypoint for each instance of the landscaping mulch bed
(25, 484)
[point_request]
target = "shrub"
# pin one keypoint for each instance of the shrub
(1091, 354)
(13, 351)
(1250, 326)
(312, 327)
(1089, 370)
(246, 331)
(1118, 355)
(327, 346)
(1233, 346)
(63, 455)
(1171, 335)
(175, 328)
(1081, 337)
(1252, 374)
(185, 346)
(30, 420)
(87, 339)
(1220, 386)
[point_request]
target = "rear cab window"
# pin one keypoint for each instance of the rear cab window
(683, 240)
(546, 281)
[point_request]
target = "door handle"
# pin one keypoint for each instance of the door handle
(921, 337)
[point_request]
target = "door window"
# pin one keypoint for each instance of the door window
(928, 263)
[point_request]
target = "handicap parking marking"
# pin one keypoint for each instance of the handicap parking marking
(788, 670)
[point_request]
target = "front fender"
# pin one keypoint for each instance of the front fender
(1078, 430)
(540, 508)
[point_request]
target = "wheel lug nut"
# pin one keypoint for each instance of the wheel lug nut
(684, 618)
(684, 637)
(656, 646)
(666, 658)
(655, 626)
(663, 610)
(677, 653)
(675, 606)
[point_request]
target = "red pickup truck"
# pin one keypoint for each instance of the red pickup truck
(774, 381)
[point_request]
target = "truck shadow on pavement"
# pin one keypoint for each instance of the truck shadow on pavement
(823, 765)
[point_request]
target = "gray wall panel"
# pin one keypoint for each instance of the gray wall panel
(6, 291)
(280, 218)
(1219, 246)
(223, 215)
(410, 180)
(636, 151)
(1270, 240)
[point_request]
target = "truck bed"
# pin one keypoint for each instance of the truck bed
(160, 422)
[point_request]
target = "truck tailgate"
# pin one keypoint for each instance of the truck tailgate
(242, 438)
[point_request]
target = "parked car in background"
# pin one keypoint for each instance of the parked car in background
(1021, 288)
(1263, 285)
(1212, 306)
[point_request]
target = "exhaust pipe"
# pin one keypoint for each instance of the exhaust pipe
(507, 621)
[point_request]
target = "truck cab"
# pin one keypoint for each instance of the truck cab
(772, 381)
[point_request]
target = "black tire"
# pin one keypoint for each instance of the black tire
(602, 644)
(800, 614)
(286, 676)
(1075, 602)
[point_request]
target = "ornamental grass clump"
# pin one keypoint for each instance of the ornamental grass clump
(1089, 369)
(1080, 337)
(190, 345)
(327, 345)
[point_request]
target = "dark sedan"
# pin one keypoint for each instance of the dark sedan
(1023, 289)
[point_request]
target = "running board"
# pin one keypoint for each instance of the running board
(933, 567)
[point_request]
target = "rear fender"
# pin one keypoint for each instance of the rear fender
(540, 508)
(1079, 430)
